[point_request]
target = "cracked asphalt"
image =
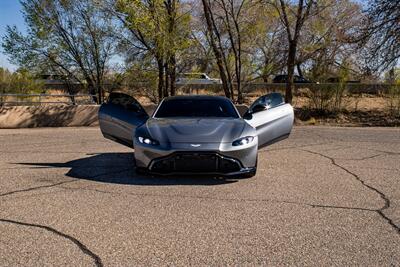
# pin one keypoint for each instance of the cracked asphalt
(325, 196)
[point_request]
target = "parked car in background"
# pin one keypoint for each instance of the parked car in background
(284, 79)
(196, 78)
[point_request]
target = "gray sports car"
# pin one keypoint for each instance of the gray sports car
(196, 134)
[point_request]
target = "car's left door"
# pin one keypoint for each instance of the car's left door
(119, 117)
(271, 117)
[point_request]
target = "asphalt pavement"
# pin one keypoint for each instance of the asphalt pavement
(325, 196)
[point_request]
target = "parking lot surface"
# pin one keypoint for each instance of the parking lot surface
(325, 196)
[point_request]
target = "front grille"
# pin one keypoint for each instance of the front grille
(195, 163)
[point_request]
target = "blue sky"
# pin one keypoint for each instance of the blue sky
(10, 14)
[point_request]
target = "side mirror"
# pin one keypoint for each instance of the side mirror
(258, 108)
(247, 115)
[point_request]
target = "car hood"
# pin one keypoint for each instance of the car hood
(195, 130)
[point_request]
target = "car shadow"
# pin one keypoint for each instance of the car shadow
(119, 168)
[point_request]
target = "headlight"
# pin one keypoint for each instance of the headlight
(148, 141)
(243, 141)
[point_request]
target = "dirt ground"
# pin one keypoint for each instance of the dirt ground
(351, 103)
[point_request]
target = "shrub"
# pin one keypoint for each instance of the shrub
(329, 97)
(19, 82)
(393, 99)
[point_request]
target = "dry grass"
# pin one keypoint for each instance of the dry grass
(356, 110)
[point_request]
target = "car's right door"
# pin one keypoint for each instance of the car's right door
(272, 118)
(119, 117)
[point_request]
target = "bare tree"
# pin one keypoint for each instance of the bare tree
(267, 49)
(216, 44)
(382, 34)
(233, 11)
(170, 64)
(324, 43)
(293, 17)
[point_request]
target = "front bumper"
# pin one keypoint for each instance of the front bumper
(211, 158)
(197, 163)
(240, 173)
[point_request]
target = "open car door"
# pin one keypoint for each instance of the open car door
(272, 118)
(119, 117)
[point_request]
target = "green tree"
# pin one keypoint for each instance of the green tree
(71, 38)
(18, 82)
(158, 29)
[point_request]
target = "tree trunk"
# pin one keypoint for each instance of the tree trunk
(160, 66)
(240, 95)
(217, 52)
(92, 91)
(290, 72)
(238, 55)
(167, 81)
(392, 78)
(99, 86)
(238, 75)
(100, 94)
(71, 92)
(265, 72)
(170, 57)
(172, 74)
(299, 71)
(239, 81)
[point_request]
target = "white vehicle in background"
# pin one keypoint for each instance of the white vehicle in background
(196, 78)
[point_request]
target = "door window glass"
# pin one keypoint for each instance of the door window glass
(126, 101)
(270, 100)
(274, 99)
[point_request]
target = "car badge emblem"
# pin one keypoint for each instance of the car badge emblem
(195, 145)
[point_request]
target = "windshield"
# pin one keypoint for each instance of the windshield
(184, 107)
